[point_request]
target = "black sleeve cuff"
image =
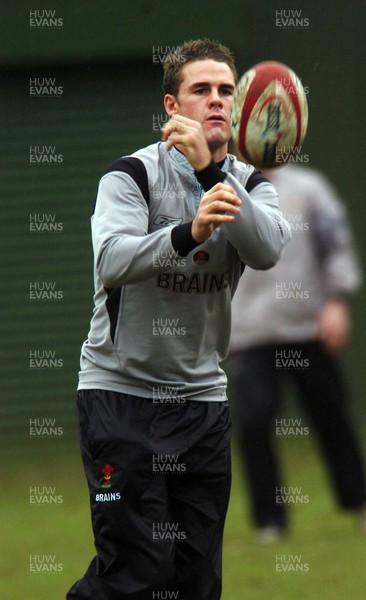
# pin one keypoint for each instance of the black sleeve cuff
(182, 239)
(210, 176)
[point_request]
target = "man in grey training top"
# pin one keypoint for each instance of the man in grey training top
(174, 226)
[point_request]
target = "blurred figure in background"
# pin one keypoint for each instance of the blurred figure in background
(289, 322)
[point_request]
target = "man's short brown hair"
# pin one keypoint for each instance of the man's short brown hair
(191, 51)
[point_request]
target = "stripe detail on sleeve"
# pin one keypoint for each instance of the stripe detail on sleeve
(136, 169)
(112, 304)
(255, 179)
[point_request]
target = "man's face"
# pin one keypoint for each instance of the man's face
(205, 95)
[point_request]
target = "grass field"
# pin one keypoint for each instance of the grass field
(324, 541)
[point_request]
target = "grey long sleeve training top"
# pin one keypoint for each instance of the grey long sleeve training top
(162, 316)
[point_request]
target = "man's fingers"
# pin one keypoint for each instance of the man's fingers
(177, 138)
(219, 217)
(227, 195)
(174, 125)
(169, 128)
(166, 131)
(222, 188)
(219, 206)
(188, 136)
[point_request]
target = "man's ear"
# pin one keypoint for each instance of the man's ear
(171, 105)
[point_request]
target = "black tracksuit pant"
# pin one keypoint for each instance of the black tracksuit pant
(259, 372)
(159, 480)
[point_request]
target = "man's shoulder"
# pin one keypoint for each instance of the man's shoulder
(149, 154)
(141, 166)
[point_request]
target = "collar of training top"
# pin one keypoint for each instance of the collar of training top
(179, 158)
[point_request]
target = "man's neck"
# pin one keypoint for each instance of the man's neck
(219, 154)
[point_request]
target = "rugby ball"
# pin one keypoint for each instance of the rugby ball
(269, 114)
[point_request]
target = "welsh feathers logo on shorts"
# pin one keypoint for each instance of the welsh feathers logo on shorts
(107, 472)
(106, 485)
